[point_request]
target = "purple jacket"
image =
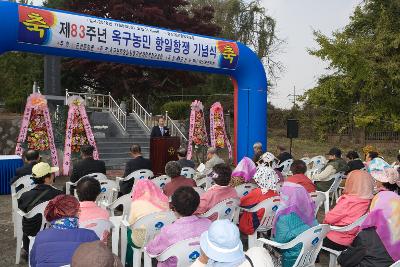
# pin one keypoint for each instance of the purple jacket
(54, 247)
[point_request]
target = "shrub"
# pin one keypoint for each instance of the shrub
(177, 110)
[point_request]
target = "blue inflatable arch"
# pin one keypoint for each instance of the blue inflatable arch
(53, 32)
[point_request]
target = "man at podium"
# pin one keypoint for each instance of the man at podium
(160, 130)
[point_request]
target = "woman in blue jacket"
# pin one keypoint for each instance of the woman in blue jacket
(294, 216)
(56, 246)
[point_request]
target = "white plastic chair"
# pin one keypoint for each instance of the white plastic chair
(100, 227)
(161, 181)
(286, 166)
(225, 209)
(337, 177)
(152, 223)
(270, 206)
(204, 182)
(137, 175)
(311, 241)
(199, 190)
(333, 254)
(243, 189)
(98, 176)
(188, 172)
(125, 201)
(306, 160)
(24, 180)
(14, 199)
(319, 198)
(38, 209)
(318, 162)
(396, 264)
(185, 251)
(107, 194)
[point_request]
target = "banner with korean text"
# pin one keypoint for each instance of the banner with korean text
(73, 32)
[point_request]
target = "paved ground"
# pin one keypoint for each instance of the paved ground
(7, 241)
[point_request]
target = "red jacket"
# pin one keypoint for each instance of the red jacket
(302, 180)
(249, 221)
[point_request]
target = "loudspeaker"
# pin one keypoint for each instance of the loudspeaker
(292, 128)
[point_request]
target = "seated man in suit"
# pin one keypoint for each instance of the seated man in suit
(160, 130)
(87, 165)
(182, 159)
(136, 163)
(43, 176)
(31, 158)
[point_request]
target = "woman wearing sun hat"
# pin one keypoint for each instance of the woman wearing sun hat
(221, 246)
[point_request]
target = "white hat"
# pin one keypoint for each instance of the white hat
(42, 169)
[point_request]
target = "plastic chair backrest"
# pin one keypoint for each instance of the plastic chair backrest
(312, 243)
(107, 193)
(351, 226)
(188, 172)
(38, 209)
(286, 166)
(99, 226)
(244, 189)
(186, 252)
(318, 162)
(306, 160)
(224, 209)
(318, 198)
(161, 181)
(139, 174)
(98, 176)
(24, 180)
(199, 190)
(153, 223)
(337, 180)
(396, 264)
(270, 206)
(125, 201)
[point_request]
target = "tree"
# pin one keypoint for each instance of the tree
(364, 59)
(123, 80)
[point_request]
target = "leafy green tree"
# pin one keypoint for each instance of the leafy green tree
(364, 58)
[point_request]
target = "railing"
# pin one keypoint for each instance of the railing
(145, 117)
(102, 102)
(174, 129)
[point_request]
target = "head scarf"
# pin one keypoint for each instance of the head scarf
(146, 190)
(295, 198)
(62, 206)
(266, 178)
(246, 169)
(360, 184)
(385, 217)
(268, 159)
(94, 254)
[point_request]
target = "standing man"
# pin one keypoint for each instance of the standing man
(160, 130)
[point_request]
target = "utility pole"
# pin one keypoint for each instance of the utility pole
(294, 96)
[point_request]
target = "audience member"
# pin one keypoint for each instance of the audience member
(353, 203)
(388, 180)
(31, 158)
(56, 246)
(182, 159)
(267, 180)
(160, 130)
(87, 164)
(371, 155)
(94, 254)
(298, 169)
(268, 160)
(378, 243)
(212, 160)
(173, 170)
(43, 176)
(283, 156)
(88, 189)
(354, 163)
(335, 164)
(244, 172)
(220, 191)
(258, 151)
(294, 216)
(376, 166)
(136, 163)
(185, 201)
(221, 246)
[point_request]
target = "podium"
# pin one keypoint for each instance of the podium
(163, 150)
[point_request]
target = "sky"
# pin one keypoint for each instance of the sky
(296, 20)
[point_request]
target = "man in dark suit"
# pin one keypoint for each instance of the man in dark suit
(183, 162)
(160, 130)
(136, 163)
(87, 165)
(31, 158)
